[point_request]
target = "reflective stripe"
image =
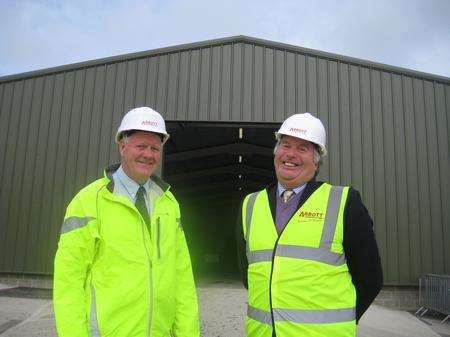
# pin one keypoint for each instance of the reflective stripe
(93, 319)
(248, 216)
(320, 254)
(331, 216)
(263, 255)
(302, 316)
(74, 222)
(259, 315)
(314, 316)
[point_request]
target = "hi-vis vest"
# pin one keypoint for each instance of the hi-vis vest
(298, 282)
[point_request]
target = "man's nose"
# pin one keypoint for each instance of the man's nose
(147, 153)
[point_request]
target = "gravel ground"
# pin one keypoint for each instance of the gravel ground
(222, 307)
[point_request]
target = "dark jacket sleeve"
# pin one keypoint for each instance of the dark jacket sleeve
(241, 244)
(361, 251)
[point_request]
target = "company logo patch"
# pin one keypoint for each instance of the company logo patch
(311, 215)
(149, 123)
(297, 130)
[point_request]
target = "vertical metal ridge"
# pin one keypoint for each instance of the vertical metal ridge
(441, 183)
(361, 128)
(91, 108)
(102, 113)
(69, 129)
(166, 89)
(427, 175)
(199, 81)
(307, 103)
(14, 174)
(32, 192)
(53, 186)
(420, 227)
(275, 84)
(263, 78)
(395, 156)
(177, 96)
(285, 84)
(230, 105)
(316, 62)
(11, 84)
(56, 111)
(42, 197)
(156, 88)
(296, 80)
(253, 89)
(220, 79)
(339, 110)
(383, 141)
(402, 88)
(188, 83)
(350, 118)
(82, 99)
(25, 216)
(445, 89)
(135, 84)
(114, 87)
(147, 59)
(2, 163)
(208, 104)
(329, 161)
(241, 91)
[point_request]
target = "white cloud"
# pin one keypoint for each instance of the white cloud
(37, 34)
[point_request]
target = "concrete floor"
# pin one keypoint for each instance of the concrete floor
(223, 308)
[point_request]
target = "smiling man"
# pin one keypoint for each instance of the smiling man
(122, 267)
(307, 249)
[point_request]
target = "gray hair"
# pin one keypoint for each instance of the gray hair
(318, 159)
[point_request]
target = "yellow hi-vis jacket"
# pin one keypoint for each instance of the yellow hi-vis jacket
(298, 282)
(114, 278)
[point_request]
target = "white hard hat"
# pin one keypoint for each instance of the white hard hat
(305, 126)
(145, 119)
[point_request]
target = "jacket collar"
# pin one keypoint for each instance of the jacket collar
(114, 167)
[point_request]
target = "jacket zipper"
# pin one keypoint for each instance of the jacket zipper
(150, 279)
(303, 199)
(274, 334)
(158, 234)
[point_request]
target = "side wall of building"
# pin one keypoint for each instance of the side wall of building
(388, 135)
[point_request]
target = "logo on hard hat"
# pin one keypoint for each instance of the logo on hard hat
(149, 123)
(297, 130)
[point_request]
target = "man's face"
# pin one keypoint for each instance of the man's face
(294, 162)
(140, 155)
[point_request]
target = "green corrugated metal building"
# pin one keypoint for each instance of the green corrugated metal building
(388, 135)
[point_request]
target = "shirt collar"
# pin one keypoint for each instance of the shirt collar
(129, 184)
(297, 190)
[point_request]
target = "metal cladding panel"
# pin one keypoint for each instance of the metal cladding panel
(387, 129)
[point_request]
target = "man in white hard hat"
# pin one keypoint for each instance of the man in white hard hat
(122, 267)
(307, 249)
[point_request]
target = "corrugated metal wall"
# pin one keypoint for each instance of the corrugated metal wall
(388, 134)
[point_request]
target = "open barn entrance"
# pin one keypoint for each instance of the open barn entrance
(211, 167)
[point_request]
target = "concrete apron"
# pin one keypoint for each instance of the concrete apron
(380, 321)
(222, 308)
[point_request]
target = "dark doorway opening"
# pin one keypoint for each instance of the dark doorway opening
(211, 167)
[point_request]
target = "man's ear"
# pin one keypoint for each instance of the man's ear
(121, 146)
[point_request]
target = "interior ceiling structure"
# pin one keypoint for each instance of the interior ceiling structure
(217, 160)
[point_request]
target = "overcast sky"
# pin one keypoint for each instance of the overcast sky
(36, 34)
